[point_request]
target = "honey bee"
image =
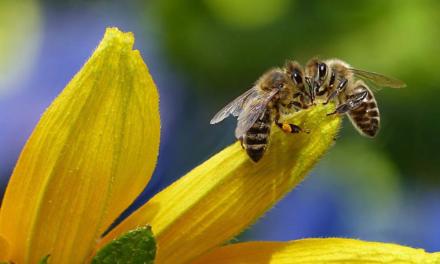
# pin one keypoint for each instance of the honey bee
(276, 92)
(336, 80)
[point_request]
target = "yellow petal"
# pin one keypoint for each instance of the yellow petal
(321, 250)
(219, 198)
(4, 249)
(89, 157)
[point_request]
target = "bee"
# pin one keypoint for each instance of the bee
(276, 92)
(335, 80)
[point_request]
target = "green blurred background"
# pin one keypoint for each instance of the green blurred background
(202, 54)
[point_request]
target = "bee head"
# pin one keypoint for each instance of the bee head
(316, 73)
(295, 72)
(311, 76)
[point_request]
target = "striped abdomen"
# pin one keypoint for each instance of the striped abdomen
(256, 139)
(366, 117)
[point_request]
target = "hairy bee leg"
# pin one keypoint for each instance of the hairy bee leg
(300, 102)
(351, 104)
(288, 128)
(341, 87)
(296, 105)
(291, 128)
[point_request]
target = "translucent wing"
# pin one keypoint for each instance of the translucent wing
(378, 79)
(235, 107)
(252, 110)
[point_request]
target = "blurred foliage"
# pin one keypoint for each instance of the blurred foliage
(360, 167)
(247, 14)
(70, 3)
(226, 45)
(225, 54)
(19, 39)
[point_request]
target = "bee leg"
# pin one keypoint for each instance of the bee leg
(241, 142)
(296, 105)
(289, 128)
(341, 87)
(351, 104)
(341, 109)
(296, 95)
(286, 127)
(299, 103)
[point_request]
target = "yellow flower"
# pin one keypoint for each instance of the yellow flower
(94, 151)
(313, 251)
(89, 157)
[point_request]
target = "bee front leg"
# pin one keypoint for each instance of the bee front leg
(341, 87)
(351, 104)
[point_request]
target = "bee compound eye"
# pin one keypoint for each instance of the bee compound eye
(296, 76)
(322, 70)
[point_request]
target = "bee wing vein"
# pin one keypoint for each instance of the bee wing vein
(253, 110)
(235, 107)
(378, 79)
